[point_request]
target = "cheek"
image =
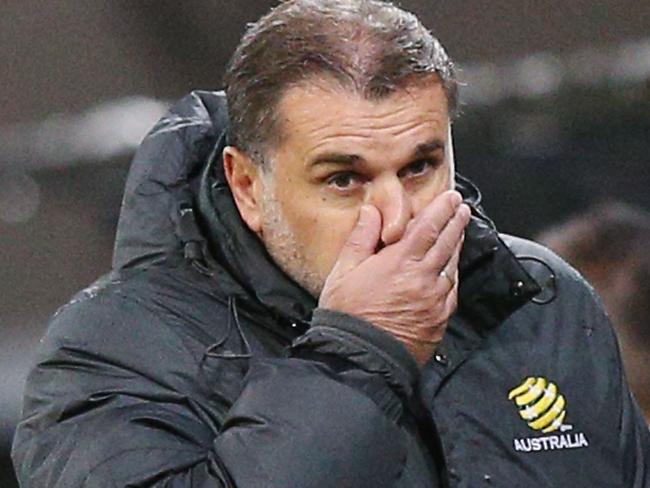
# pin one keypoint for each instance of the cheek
(321, 231)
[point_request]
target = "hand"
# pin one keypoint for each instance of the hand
(402, 288)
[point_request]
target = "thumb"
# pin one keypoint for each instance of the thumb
(362, 241)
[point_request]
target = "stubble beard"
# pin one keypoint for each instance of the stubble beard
(283, 246)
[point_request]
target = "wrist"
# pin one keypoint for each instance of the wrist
(367, 346)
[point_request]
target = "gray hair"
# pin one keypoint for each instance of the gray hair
(369, 46)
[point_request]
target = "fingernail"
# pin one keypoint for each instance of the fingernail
(457, 198)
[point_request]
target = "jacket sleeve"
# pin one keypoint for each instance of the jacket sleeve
(634, 438)
(635, 442)
(103, 407)
(630, 434)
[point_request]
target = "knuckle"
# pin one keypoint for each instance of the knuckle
(355, 243)
(435, 255)
(433, 232)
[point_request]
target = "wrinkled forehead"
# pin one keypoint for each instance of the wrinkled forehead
(325, 86)
(325, 114)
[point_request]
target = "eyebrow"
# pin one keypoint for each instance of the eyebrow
(344, 159)
(427, 148)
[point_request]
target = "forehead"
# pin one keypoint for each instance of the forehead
(326, 116)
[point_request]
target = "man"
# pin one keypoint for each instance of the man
(282, 309)
(608, 243)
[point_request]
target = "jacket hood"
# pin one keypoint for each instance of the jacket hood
(177, 203)
(164, 175)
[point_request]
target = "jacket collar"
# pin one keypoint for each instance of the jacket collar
(241, 252)
(492, 282)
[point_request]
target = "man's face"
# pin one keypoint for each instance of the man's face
(340, 151)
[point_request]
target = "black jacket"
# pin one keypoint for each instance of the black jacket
(197, 362)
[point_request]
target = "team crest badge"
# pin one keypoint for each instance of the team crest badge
(544, 409)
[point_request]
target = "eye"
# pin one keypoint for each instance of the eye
(418, 168)
(344, 180)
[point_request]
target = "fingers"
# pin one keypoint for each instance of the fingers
(425, 230)
(447, 245)
(448, 277)
(448, 288)
(361, 242)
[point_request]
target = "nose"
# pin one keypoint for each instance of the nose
(394, 204)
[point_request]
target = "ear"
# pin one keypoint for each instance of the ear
(245, 181)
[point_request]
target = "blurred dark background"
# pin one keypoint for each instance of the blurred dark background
(556, 117)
